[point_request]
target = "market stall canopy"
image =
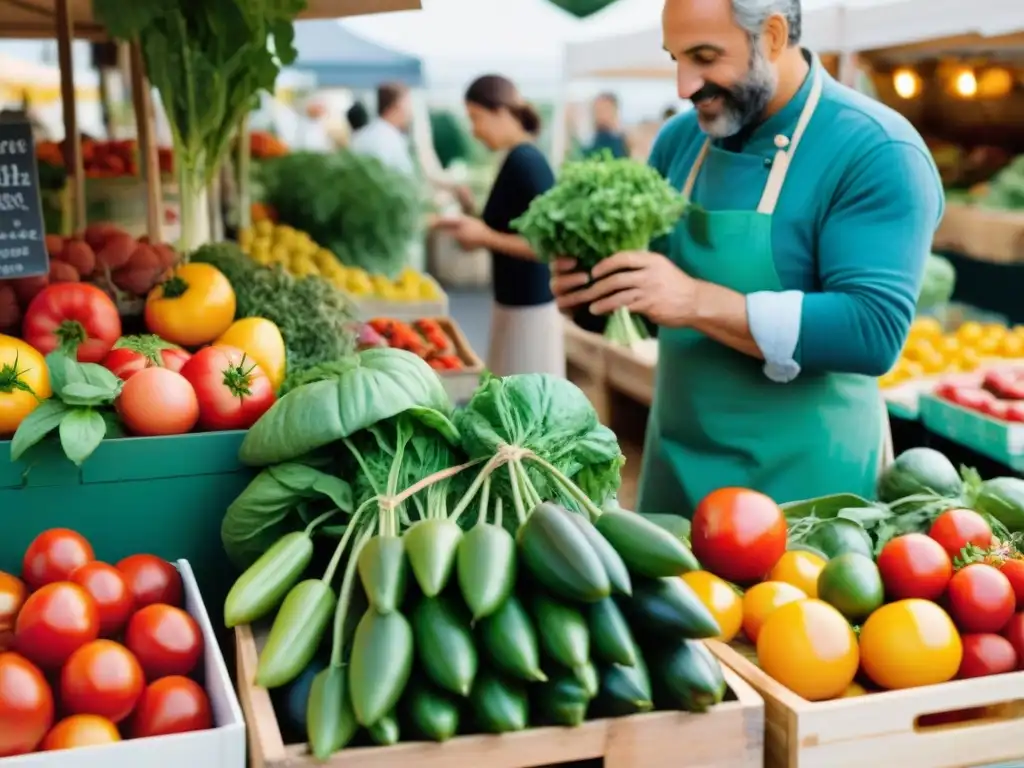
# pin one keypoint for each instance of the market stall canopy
(339, 58)
(35, 19)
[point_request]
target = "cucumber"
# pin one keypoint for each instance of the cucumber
(677, 525)
(382, 570)
(380, 664)
(431, 546)
(916, 471)
(624, 691)
(444, 644)
(559, 556)
(646, 548)
(564, 636)
(499, 705)
(687, 677)
(668, 608)
(618, 574)
(486, 565)
(610, 638)
(563, 700)
(510, 641)
(1003, 499)
(432, 714)
(385, 731)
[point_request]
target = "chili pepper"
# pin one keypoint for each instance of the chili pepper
(330, 721)
(296, 633)
(265, 583)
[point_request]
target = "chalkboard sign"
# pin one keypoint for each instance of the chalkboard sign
(22, 232)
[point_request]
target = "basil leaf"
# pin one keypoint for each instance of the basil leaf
(99, 376)
(63, 370)
(83, 393)
(81, 431)
(37, 425)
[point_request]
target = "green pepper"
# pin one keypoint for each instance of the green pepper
(265, 583)
(296, 633)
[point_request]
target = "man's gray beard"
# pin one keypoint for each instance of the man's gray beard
(748, 98)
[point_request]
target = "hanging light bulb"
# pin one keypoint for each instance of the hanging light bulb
(995, 83)
(966, 84)
(906, 83)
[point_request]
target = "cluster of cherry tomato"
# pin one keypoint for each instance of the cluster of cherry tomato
(999, 394)
(91, 653)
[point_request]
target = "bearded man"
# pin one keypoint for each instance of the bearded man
(791, 284)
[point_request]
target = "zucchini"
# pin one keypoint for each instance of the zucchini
(687, 677)
(432, 714)
(380, 664)
(563, 700)
(444, 644)
(1003, 499)
(559, 556)
(385, 731)
(382, 570)
(624, 691)
(564, 636)
(499, 705)
(510, 641)
(668, 608)
(919, 471)
(610, 638)
(647, 549)
(618, 574)
(486, 566)
(431, 546)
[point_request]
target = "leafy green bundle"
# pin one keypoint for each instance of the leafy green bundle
(599, 207)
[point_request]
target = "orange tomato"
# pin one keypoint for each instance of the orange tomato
(725, 604)
(764, 599)
(801, 569)
(810, 648)
(80, 731)
(918, 349)
(910, 643)
(1012, 346)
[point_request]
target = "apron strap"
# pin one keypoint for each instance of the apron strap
(780, 166)
(695, 169)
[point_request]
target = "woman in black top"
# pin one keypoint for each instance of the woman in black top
(526, 328)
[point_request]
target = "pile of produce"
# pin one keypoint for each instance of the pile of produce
(1005, 190)
(999, 394)
(363, 212)
(939, 282)
(930, 351)
(488, 583)
(263, 145)
(101, 159)
(426, 339)
(962, 168)
(599, 207)
(92, 653)
(844, 596)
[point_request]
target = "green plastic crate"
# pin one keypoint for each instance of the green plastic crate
(159, 495)
(999, 440)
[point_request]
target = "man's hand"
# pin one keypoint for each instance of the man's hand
(642, 282)
(471, 233)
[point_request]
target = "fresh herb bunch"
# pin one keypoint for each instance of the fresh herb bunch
(315, 318)
(599, 207)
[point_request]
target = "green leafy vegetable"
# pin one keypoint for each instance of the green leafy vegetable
(938, 285)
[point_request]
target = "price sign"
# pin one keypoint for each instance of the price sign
(22, 232)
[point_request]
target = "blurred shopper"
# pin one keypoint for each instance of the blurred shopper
(358, 116)
(386, 137)
(526, 328)
(608, 133)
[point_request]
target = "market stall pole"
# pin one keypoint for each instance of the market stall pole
(143, 103)
(72, 139)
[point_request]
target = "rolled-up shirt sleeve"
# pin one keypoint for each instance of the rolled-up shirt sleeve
(871, 254)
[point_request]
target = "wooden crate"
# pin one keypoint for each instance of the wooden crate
(886, 729)
(585, 365)
(730, 736)
(630, 373)
(460, 385)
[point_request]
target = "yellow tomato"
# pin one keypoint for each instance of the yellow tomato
(995, 329)
(853, 690)
(261, 340)
(193, 307)
(1012, 346)
(21, 366)
(933, 362)
(725, 604)
(970, 332)
(801, 569)
(761, 600)
(917, 349)
(967, 360)
(948, 345)
(810, 648)
(988, 346)
(926, 327)
(908, 644)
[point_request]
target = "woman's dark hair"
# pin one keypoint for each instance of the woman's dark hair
(494, 92)
(357, 115)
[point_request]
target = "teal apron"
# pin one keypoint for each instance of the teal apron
(717, 421)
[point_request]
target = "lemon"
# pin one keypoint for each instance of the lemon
(264, 227)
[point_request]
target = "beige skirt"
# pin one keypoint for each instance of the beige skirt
(526, 340)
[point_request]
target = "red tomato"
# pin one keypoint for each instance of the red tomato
(233, 390)
(158, 401)
(738, 534)
(151, 580)
(914, 566)
(954, 529)
(1014, 571)
(106, 585)
(126, 362)
(986, 654)
(26, 705)
(998, 409)
(171, 705)
(80, 731)
(55, 622)
(972, 398)
(165, 640)
(1014, 632)
(981, 599)
(101, 678)
(68, 315)
(53, 555)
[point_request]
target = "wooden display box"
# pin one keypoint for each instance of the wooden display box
(891, 728)
(729, 736)
(982, 234)
(460, 385)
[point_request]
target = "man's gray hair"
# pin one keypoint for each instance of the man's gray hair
(752, 14)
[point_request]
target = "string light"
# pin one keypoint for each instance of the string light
(906, 83)
(966, 84)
